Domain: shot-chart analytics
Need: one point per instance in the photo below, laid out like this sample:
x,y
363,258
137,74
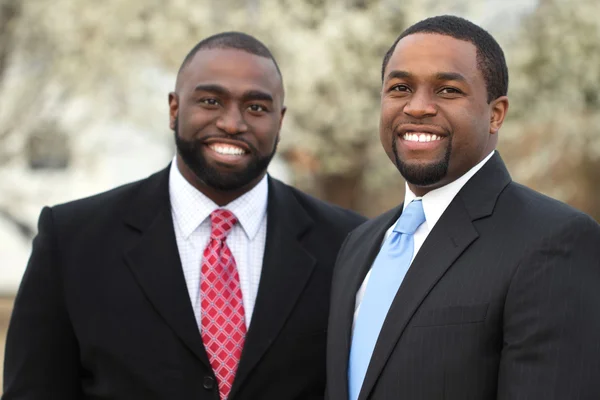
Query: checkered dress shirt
x,y
191,210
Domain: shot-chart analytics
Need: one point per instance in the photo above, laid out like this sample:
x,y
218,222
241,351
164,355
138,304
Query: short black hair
x,y
231,40
490,57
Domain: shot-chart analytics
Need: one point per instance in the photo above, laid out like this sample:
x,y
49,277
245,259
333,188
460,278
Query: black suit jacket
x,y
501,302
103,310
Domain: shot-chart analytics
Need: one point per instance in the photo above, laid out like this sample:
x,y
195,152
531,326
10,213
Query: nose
x,y
231,121
420,105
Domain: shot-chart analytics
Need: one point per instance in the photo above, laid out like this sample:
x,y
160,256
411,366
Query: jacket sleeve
x,y
41,359
551,346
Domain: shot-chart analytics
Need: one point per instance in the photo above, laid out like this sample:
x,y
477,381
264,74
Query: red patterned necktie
x,y
223,325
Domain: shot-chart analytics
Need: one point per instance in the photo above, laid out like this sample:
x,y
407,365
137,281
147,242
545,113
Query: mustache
x,y
202,140
398,127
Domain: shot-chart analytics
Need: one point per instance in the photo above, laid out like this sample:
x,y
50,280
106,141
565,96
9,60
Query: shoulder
x,y
535,209
556,223
529,225
107,205
321,211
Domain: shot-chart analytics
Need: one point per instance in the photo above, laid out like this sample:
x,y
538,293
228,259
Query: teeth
x,y
423,137
228,150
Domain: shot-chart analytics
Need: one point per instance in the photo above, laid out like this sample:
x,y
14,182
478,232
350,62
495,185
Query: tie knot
x,y
222,221
412,217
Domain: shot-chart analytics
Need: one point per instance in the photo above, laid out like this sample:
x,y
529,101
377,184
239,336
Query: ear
x,y
499,108
283,110
173,109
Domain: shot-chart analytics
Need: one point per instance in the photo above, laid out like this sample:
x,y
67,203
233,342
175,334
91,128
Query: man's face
x,y
226,113
435,122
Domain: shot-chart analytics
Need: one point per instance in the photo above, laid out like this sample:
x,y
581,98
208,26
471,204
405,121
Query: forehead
x,y
232,69
426,54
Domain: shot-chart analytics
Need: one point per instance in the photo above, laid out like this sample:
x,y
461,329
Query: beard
x,y
423,174
191,152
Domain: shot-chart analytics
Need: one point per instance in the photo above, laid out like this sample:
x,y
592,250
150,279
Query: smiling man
x,y
226,157
207,280
476,287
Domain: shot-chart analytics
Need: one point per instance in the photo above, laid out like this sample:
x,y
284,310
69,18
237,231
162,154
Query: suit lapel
x,y
443,245
349,276
155,263
287,267
450,237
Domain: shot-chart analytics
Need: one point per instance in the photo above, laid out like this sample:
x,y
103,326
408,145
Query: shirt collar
x,y
191,207
436,201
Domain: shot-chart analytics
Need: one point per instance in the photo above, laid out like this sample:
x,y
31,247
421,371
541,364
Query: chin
x,y
423,173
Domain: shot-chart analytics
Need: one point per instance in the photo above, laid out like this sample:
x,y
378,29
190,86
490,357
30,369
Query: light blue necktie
x,y
388,271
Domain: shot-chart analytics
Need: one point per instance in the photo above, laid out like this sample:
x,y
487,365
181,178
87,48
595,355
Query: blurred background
x,y
84,84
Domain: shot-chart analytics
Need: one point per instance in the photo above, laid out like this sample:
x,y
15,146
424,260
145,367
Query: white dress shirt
x,y
434,205
191,210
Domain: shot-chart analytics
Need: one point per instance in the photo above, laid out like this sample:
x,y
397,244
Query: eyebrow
x,y
211,88
440,76
257,95
248,95
450,76
399,75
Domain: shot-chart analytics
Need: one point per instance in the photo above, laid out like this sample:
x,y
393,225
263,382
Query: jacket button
x,y
208,383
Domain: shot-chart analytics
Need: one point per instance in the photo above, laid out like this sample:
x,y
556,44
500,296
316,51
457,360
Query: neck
x,y
421,191
219,197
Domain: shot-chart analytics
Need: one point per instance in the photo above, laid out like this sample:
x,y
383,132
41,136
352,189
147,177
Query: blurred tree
x,y
552,139
332,63
76,64
107,55
10,11
10,15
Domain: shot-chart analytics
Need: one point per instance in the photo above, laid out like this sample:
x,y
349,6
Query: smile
x,y
420,137
226,149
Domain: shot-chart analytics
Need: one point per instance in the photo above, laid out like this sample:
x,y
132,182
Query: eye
x,y
257,108
450,90
399,88
209,101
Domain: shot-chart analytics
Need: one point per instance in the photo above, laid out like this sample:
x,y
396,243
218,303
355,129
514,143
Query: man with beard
x,y
207,280
476,287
